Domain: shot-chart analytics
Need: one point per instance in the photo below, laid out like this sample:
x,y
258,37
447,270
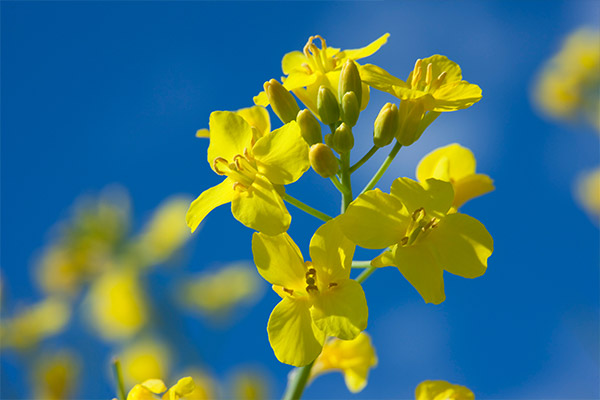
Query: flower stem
x,y
119,378
306,208
363,160
338,185
297,381
386,163
345,172
361,264
365,274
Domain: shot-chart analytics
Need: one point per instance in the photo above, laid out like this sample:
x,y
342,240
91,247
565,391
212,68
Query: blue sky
x,y
95,93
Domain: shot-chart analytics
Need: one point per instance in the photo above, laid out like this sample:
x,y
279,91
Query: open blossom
x,y
318,298
423,237
256,166
315,67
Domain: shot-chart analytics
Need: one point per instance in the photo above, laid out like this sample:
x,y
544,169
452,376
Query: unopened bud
x,y
327,106
283,103
408,133
323,161
386,125
343,139
350,81
309,127
328,139
350,109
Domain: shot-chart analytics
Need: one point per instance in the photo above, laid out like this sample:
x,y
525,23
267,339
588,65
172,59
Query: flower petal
x,y
208,201
356,54
422,269
331,252
155,385
470,187
261,99
299,79
456,96
379,78
257,117
229,135
433,195
462,245
341,310
279,260
182,388
282,155
261,207
460,162
293,335
438,390
374,220
292,61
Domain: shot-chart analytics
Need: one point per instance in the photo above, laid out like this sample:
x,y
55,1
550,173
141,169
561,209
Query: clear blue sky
x,y
94,93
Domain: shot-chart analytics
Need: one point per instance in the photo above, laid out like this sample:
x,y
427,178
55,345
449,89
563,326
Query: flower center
x,y
422,77
242,170
318,57
418,227
311,278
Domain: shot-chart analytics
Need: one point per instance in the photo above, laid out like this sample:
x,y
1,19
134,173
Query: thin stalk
x,y
119,378
364,159
306,208
365,274
361,264
345,173
386,163
297,382
338,185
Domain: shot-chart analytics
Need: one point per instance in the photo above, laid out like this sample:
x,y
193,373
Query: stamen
x,y
439,81
242,164
241,187
418,214
216,162
404,241
288,291
332,284
417,72
310,288
429,75
307,46
307,68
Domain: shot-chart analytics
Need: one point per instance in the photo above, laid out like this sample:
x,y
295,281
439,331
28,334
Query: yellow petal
x,y
229,135
208,201
182,388
282,155
460,162
470,187
292,61
356,54
331,252
139,392
257,117
442,390
261,99
341,310
456,96
433,195
374,220
294,337
202,133
261,207
385,259
462,245
279,260
155,385
420,267
299,79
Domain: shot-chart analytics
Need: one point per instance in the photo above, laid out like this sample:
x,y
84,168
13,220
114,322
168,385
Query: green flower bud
x,y
310,128
329,140
343,139
327,106
350,109
283,103
323,161
386,125
409,130
350,81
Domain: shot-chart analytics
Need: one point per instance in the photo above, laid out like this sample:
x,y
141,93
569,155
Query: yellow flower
x,y
150,387
256,166
425,240
55,375
143,359
354,358
205,386
257,117
250,385
568,86
455,164
315,67
318,297
588,192
442,390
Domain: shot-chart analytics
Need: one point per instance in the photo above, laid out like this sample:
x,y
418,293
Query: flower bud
x,y
350,109
327,106
408,132
343,139
329,140
323,161
309,127
283,103
350,81
386,125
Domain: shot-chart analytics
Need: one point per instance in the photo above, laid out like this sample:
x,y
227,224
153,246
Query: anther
x,y
216,161
307,68
404,241
418,214
310,281
332,284
429,74
312,271
310,288
288,291
439,81
237,185
417,71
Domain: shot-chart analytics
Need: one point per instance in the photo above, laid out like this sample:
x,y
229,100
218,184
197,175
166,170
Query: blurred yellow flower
x,y
55,375
117,305
150,387
442,390
143,359
250,385
568,86
455,164
216,294
34,323
206,387
588,192
354,358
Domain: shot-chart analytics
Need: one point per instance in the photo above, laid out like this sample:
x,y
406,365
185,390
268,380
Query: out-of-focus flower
x,y
144,359
55,375
34,323
442,390
150,387
307,71
250,385
354,358
588,192
166,232
206,388
568,86
117,304
217,294
455,164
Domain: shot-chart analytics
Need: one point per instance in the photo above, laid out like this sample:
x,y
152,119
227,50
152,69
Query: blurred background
x,y
100,102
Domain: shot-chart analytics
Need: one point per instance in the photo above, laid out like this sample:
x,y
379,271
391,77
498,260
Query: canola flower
x,y
55,375
143,359
151,387
442,390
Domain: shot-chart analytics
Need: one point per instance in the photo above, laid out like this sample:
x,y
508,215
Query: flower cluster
x,y
321,317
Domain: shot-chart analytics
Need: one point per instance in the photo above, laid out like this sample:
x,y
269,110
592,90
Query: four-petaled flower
x,y
318,298
424,239
257,164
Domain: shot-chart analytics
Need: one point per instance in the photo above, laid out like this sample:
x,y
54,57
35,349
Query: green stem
x,y
306,208
365,274
386,163
364,159
119,378
346,196
297,382
336,182
361,264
